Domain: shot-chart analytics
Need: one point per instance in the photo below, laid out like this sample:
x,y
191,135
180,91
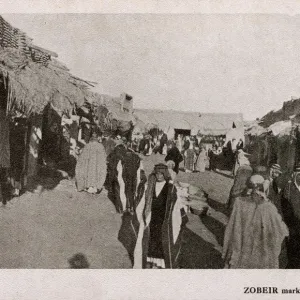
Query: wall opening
x,y
183,132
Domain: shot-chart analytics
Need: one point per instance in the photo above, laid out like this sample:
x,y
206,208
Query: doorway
x,y
183,132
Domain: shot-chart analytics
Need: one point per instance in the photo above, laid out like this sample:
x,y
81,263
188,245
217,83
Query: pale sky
x,y
207,63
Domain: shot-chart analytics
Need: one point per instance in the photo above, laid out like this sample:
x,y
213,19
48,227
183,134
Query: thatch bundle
x,y
31,86
111,118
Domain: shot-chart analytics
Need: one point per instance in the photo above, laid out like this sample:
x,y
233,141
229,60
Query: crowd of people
x,y
264,215
263,229
263,208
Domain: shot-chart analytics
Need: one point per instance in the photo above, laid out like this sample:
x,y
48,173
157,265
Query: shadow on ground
x,y
215,227
223,174
218,206
78,261
128,233
47,179
198,254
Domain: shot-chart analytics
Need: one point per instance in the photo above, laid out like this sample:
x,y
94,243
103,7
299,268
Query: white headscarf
x,y
295,181
243,160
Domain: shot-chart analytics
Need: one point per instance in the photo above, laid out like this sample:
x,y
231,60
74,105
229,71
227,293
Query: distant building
x,y
189,123
126,102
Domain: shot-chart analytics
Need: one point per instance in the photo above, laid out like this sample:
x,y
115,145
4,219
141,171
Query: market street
x,y
46,228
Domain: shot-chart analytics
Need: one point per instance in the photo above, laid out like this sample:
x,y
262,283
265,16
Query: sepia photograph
x,y
138,141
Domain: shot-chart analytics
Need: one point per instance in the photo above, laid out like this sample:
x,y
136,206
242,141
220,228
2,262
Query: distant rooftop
x,y
207,123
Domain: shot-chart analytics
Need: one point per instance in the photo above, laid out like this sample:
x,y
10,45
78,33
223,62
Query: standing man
x,y
91,166
243,174
240,154
186,144
255,231
114,167
161,219
211,157
109,145
132,175
240,145
174,155
234,145
272,189
189,158
163,142
4,155
142,144
291,213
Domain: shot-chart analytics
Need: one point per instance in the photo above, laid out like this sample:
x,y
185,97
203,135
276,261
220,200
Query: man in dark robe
x,y
17,153
243,174
186,144
148,145
4,155
142,145
132,174
112,180
174,155
109,145
161,222
272,188
212,160
291,213
230,155
240,145
163,141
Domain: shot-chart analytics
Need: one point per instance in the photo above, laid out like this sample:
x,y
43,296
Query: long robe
x,y
212,160
17,153
114,177
186,145
4,141
190,158
91,166
254,235
163,141
274,194
179,144
155,249
132,174
291,213
171,230
148,147
142,145
201,161
174,155
109,146
243,174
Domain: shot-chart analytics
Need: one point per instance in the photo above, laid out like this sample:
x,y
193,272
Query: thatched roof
x,y
114,106
271,118
207,124
33,78
255,130
289,109
281,128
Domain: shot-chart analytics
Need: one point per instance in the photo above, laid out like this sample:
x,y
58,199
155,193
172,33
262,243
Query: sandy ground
x,y
45,229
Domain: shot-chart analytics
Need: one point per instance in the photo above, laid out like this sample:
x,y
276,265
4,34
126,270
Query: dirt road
x,y
47,228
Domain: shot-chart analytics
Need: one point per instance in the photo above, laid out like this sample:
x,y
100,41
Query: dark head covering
x,y
297,168
162,168
277,168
